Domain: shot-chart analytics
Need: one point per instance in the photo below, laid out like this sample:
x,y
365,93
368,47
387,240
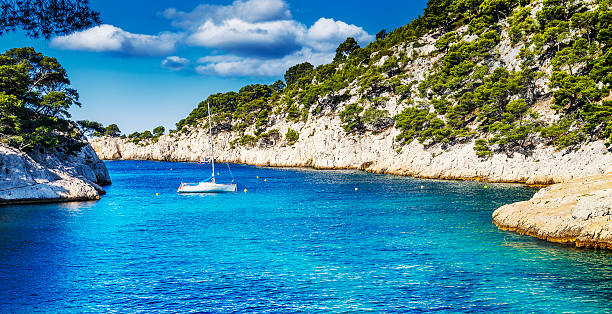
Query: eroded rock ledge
x,y
42,176
578,212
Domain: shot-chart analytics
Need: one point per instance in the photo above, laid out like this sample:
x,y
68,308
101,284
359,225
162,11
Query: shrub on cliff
x,y
351,119
292,136
376,119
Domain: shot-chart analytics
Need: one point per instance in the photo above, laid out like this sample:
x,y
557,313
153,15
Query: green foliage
x,y
412,122
158,131
521,25
351,121
598,118
278,86
515,135
345,49
91,127
47,17
292,136
404,91
482,149
479,25
458,64
296,72
560,133
446,40
376,119
112,130
12,111
247,139
571,56
35,96
325,72
573,91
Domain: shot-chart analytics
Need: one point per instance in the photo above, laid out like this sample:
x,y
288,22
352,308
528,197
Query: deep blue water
x,y
303,240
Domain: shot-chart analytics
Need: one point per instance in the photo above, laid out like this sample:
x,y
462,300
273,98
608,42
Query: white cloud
x,y
260,28
228,65
248,38
327,34
316,45
249,11
236,36
108,38
175,63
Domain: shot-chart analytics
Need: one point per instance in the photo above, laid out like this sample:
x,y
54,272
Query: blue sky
x,y
151,62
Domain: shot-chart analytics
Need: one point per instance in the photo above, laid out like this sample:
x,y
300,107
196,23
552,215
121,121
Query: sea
x,y
290,240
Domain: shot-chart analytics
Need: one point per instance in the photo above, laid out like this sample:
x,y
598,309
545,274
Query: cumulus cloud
x,y
248,38
175,63
326,34
276,38
316,45
228,65
250,11
261,28
108,38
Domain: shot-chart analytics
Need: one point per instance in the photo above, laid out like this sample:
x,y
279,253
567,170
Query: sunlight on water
x,y
298,240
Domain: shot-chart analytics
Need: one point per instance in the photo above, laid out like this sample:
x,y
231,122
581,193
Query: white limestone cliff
x,y
44,176
324,145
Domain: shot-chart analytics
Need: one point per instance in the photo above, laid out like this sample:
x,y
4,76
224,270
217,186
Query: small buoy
x,y
486,187
265,180
156,194
422,187
356,189
245,190
217,173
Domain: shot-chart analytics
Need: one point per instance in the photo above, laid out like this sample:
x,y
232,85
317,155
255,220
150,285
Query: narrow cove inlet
x,y
297,240
281,156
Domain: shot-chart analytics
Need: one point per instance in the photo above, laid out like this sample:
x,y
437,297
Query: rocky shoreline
x,y
323,145
577,213
42,176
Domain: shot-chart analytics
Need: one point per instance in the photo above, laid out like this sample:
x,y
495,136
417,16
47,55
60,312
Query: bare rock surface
x,y
324,145
43,176
577,212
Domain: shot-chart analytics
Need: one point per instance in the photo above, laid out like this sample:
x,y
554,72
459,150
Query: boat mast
x,y
212,149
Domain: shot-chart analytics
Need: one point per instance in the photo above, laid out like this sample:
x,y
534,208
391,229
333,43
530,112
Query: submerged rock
x,y
45,176
578,212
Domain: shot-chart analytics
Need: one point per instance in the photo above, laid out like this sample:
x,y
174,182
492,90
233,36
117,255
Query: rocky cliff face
x,y
578,212
43,176
323,144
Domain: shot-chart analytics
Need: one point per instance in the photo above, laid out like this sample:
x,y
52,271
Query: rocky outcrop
x,y
44,176
324,145
578,212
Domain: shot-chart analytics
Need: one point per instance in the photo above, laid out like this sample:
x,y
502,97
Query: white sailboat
x,y
209,185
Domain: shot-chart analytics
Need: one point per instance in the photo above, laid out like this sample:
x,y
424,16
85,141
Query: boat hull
x,y
207,187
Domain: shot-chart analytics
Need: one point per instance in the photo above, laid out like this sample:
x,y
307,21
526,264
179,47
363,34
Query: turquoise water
x,y
303,240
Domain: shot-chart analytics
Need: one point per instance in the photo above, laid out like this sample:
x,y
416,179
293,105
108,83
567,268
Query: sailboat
x,y
209,185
